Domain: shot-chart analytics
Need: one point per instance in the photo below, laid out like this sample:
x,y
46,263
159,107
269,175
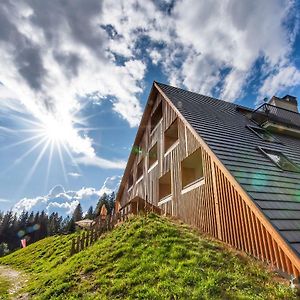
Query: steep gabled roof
x,y
223,127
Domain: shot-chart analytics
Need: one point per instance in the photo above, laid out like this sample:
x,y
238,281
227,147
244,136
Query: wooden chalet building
x,y
229,170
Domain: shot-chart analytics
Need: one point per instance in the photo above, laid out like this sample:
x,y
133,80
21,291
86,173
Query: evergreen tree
x,y
78,214
111,203
102,201
54,224
5,228
3,249
108,201
90,214
71,226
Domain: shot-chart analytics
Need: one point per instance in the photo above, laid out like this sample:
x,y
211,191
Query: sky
x,y
75,77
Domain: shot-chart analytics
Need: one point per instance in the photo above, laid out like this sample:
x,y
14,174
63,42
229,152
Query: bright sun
x,y
55,130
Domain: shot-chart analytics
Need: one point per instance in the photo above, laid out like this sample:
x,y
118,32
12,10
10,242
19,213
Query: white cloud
x,y
64,202
101,162
53,54
60,53
207,44
111,184
230,35
281,79
155,56
4,200
74,174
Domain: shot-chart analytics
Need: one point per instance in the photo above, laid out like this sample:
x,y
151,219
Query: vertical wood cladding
x,y
242,229
215,207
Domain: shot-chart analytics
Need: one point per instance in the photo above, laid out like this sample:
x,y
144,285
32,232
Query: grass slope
x,y
4,286
145,258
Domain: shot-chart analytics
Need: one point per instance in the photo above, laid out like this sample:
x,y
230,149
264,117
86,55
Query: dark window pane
x,y
263,134
281,160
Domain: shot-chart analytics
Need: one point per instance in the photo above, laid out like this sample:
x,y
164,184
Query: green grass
x,y
145,258
4,286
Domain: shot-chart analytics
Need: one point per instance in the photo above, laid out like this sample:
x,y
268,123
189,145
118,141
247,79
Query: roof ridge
x,y
198,94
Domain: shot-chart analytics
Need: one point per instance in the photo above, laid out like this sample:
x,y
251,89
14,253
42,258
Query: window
x,y
140,169
152,155
157,115
280,160
171,135
130,181
165,186
191,168
263,134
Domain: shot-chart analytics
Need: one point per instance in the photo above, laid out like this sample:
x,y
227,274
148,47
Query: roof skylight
x,y
280,160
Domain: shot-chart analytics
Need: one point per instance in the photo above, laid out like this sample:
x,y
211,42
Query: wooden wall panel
x,y
242,229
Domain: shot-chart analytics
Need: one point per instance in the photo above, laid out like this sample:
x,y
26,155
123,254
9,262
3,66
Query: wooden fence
x,y
88,237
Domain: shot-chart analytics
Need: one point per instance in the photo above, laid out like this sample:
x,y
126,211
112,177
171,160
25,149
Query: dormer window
x,y
156,116
263,134
280,160
152,156
171,135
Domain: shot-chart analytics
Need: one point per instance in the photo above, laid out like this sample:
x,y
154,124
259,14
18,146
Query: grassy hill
x,y
145,258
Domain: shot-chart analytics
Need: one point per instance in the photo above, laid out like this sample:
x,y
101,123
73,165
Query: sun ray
x,y
33,168
26,120
35,137
62,163
49,165
72,158
20,159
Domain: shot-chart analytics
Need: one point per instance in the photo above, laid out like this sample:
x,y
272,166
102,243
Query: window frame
x,y
167,150
153,127
265,150
130,186
156,161
198,181
140,176
167,197
253,128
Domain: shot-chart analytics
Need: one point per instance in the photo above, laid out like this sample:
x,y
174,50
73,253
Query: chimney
x,y
287,102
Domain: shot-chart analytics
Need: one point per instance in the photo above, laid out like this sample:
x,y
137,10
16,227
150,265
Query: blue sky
x,y
75,78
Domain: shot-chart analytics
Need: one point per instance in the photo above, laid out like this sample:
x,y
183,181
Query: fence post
x,y
78,244
92,236
72,247
87,238
82,241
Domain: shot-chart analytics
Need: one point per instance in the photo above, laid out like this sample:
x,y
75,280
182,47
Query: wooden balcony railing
x,y
270,113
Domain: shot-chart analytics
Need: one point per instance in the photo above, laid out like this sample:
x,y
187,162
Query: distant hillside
x,y
145,258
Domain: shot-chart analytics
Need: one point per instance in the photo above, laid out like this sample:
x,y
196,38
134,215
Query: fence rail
x,y
89,236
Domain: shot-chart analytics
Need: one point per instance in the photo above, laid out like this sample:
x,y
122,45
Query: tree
x,y
90,214
71,226
78,214
4,249
111,203
108,201
103,200
54,224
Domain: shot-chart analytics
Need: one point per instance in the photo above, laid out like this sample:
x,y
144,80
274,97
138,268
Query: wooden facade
x,y
215,202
